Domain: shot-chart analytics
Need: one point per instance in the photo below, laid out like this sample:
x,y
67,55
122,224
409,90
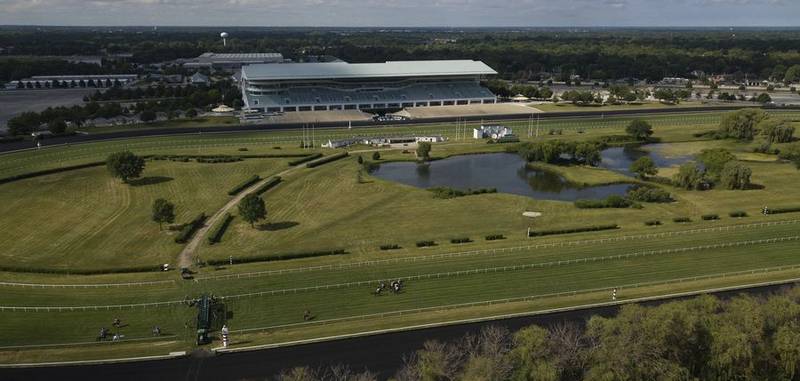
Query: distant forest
x,y
594,54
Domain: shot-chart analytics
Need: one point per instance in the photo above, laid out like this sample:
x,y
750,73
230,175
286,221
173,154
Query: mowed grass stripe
x,y
328,304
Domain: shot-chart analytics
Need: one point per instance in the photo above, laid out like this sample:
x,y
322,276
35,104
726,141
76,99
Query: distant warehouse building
x,y
364,86
231,61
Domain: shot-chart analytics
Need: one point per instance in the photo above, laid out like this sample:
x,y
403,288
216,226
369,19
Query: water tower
x,y
224,36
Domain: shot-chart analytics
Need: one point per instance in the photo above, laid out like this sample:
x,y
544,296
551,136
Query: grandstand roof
x,y
342,70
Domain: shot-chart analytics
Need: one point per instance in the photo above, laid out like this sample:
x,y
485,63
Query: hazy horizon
x,y
402,14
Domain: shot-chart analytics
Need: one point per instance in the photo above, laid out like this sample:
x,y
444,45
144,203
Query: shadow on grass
x,y
754,187
150,180
273,226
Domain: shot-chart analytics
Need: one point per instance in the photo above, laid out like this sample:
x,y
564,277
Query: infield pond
x,y
509,173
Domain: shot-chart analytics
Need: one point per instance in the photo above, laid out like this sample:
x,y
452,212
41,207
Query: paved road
x,y
6,147
379,353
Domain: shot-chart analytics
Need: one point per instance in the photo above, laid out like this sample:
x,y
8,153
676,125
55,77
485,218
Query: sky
x,y
411,13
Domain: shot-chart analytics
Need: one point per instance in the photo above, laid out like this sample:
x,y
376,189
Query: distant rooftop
x,y
342,70
241,56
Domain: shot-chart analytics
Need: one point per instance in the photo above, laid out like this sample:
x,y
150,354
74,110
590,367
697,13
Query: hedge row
x,y
738,214
572,230
278,257
446,192
652,223
613,201
188,230
219,159
327,159
305,159
50,171
243,185
242,156
461,240
220,229
783,210
495,237
710,217
425,243
390,247
681,219
44,270
272,182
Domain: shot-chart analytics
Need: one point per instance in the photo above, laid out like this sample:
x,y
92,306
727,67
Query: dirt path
x,y
186,257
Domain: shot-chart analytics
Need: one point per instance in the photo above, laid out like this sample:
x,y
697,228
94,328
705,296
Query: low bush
x,y
276,257
243,149
50,171
218,159
445,192
540,233
219,230
652,223
612,201
783,210
461,240
243,185
271,183
390,247
73,271
326,160
305,159
648,194
495,237
738,214
188,230
681,219
425,243
710,217
661,180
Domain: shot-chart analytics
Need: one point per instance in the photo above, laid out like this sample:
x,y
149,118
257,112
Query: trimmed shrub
x,y
305,159
710,217
495,237
612,201
243,185
652,223
218,159
445,192
50,171
461,240
425,243
188,230
45,270
738,214
219,230
681,219
390,247
326,160
271,183
276,257
540,233
783,210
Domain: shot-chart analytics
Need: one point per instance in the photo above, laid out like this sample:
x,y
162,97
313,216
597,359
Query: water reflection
x,y
504,171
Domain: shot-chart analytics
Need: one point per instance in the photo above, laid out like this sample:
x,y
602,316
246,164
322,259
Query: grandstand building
x,y
365,86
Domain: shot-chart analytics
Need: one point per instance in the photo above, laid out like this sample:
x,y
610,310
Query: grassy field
x,y
102,223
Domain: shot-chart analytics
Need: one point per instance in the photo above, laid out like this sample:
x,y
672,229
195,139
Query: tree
x,y
424,151
360,160
639,129
763,98
643,167
147,116
252,209
741,124
776,131
714,160
57,126
125,165
191,113
163,212
792,74
376,155
587,153
735,176
689,176
24,123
